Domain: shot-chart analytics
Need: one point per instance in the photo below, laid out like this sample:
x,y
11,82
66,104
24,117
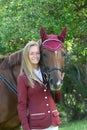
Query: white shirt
x,y
38,74
49,128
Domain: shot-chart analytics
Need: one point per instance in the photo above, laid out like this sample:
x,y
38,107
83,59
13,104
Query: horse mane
x,y
13,59
1,58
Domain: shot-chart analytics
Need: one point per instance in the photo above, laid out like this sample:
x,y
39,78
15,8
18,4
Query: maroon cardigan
x,y
36,107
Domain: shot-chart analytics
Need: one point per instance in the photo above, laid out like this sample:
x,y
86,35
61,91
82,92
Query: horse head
x,y
53,53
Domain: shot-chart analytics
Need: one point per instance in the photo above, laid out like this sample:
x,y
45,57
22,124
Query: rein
x,y
8,83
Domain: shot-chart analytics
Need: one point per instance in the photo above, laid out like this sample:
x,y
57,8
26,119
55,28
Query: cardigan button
x,y
44,90
48,111
47,104
45,97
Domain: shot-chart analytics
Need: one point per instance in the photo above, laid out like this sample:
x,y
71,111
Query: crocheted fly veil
x,y
52,42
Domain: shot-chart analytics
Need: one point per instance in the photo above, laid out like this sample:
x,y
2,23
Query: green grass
x,y
76,125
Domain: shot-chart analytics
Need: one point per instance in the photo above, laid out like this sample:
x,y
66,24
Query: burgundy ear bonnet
x,y
52,42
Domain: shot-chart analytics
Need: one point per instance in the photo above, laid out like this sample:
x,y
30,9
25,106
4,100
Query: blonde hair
x,y
26,67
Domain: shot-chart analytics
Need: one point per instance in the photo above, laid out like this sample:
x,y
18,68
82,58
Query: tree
x,y
20,21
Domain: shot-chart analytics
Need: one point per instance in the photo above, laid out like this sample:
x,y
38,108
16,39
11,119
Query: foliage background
x,y
20,21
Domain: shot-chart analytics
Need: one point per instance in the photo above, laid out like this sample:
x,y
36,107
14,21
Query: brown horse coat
x,y
8,100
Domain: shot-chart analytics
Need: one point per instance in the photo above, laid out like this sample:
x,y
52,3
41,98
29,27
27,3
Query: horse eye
x,y
63,54
44,54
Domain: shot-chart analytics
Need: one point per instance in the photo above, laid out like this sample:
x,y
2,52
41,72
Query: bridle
x,y
57,46
46,72
62,70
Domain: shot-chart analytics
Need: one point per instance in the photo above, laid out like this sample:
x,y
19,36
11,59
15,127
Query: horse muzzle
x,y
55,84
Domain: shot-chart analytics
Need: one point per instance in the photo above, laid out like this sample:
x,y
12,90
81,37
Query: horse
x,y
53,53
8,100
52,64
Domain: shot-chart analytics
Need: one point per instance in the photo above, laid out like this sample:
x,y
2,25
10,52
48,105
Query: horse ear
x,y
43,34
62,35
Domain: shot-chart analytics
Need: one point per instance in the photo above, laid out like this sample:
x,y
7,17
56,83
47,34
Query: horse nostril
x,y
53,81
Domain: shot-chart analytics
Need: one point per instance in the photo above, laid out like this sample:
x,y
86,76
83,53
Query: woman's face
x,y
34,55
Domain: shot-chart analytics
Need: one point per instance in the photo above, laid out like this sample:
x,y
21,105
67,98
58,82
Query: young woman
x,y
36,107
